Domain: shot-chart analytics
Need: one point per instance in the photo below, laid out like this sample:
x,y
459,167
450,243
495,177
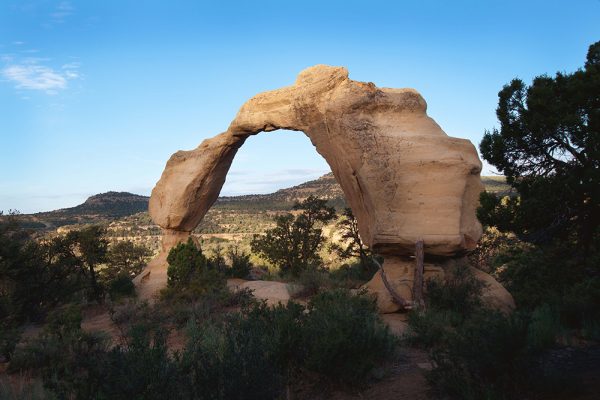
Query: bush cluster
x,y
254,354
480,353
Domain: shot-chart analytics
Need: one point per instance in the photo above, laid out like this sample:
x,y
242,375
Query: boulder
x,y
399,272
400,276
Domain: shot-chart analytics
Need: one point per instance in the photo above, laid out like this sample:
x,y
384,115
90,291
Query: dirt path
x,y
406,380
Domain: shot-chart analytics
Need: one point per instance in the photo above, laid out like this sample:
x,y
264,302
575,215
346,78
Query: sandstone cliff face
x,y
404,178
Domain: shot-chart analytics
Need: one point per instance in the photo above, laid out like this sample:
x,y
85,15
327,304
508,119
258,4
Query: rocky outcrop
x,y
399,272
403,177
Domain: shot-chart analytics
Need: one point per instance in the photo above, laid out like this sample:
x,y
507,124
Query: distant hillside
x,y
109,204
324,187
496,184
97,208
229,214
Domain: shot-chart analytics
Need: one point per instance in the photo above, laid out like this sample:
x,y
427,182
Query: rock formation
x,y
403,177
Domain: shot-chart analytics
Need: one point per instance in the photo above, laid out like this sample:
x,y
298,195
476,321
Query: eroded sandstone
x,y
403,176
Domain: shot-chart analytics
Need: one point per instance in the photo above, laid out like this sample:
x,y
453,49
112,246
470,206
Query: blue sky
x,y
96,95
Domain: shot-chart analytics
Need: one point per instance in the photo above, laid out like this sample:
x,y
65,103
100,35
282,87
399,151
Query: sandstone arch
x,y
403,177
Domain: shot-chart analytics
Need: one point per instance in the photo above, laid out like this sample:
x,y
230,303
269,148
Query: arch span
x,y
404,178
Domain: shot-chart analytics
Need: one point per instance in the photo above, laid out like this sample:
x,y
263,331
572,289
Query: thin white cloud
x,y
35,77
258,182
61,12
35,73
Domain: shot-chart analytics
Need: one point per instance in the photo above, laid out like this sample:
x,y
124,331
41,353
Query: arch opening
x,y
272,161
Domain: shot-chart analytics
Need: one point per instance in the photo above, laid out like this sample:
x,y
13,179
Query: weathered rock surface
x,y
400,274
403,177
400,271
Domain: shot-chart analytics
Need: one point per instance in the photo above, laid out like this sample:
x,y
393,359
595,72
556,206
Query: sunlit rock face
x,y
403,177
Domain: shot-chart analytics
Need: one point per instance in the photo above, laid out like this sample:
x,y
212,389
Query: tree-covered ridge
x,y
230,214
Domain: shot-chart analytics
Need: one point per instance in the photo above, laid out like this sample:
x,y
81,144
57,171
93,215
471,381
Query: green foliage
x,y
344,337
192,279
499,212
125,258
217,260
480,353
26,389
10,335
548,146
75,364
353,275
312,280
544,327
539,275
91,248
351,243
253,354
448,303
37,277
492,244
581,307
484,357
186,262
66,358
248,355
460,291
294,243
140,369
121,286
240,263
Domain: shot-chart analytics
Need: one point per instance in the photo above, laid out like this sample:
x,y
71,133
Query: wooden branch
x,y
418,280
396,298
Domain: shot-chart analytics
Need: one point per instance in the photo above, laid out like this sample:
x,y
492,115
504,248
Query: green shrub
x,y
185,260
544,327
248,355
353,275
312,280
480,353
554,275
580,307
449,302
23,389
458,292
67,358
125,258
140,369
485,357
10,335
240,263
190,276
344,337
121,286
253,354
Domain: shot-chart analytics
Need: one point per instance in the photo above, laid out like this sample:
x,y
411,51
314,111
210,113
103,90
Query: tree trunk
x,y
418,282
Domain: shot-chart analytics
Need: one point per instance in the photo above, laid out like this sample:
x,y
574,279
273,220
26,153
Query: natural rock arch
x,y
403,177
